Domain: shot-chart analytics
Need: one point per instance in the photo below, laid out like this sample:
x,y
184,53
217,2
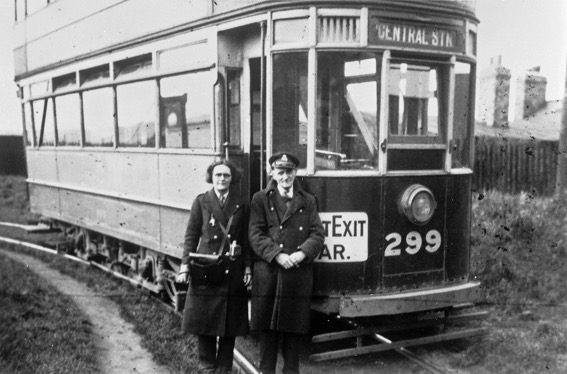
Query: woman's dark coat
x,y
281,299
220,309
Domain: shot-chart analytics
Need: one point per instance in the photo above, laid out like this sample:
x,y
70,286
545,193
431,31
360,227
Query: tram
x,y
124,103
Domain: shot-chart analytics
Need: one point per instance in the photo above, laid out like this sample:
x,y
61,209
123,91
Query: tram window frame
x,y
91,117
194,86
441,95
46,117
293,109
31,138
463,115
233,108
348,139
142,108
65,118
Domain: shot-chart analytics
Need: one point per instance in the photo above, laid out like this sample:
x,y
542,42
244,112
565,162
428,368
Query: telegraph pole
x,y
561,186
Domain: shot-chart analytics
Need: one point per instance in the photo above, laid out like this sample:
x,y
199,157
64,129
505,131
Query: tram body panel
x,y
401,257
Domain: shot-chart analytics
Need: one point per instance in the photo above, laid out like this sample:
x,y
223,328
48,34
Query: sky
x,y
525,33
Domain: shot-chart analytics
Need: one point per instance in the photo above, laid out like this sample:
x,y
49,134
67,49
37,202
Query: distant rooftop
x,y
545,124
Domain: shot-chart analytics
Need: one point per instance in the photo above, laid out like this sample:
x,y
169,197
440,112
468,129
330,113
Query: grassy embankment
x,y
519,246
160,330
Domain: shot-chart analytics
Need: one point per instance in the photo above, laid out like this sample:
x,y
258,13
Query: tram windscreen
x,y
347,110
415,96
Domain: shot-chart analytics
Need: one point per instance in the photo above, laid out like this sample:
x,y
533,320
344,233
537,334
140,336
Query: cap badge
x,y
284,158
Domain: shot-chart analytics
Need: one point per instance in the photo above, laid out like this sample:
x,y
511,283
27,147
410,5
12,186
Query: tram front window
x,y
290,105
347,105
415,94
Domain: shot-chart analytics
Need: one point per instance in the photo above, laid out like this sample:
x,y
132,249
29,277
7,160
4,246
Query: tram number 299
x,y
413,243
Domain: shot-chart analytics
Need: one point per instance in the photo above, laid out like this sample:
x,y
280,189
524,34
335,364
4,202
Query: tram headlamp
x,y
417,204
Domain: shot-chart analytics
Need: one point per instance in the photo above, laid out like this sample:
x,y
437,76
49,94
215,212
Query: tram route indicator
x,y
421,36
346,237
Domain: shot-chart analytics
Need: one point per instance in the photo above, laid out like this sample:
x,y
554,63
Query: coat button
x,y
281,245
281,227
214,253
300,210
228,235
226,272
300,228
272,209
215,237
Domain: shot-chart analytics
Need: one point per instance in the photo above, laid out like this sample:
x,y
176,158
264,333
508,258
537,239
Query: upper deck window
x,y
347,107
31,138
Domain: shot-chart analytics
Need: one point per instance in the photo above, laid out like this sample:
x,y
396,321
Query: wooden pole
x,y
561,185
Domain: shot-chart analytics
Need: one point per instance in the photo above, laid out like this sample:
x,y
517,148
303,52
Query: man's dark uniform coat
x,y
220,309
281,299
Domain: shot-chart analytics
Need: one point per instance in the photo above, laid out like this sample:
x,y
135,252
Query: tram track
x,y
243,365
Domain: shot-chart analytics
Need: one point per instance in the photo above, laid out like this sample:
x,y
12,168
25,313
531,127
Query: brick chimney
x,y
530,93
494,94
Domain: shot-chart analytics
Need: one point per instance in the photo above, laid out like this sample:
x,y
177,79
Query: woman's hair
x,y
234,170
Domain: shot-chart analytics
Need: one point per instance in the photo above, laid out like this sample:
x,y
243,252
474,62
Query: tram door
x,y
241,66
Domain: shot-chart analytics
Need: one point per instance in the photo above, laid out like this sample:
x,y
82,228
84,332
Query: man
x,y
286,235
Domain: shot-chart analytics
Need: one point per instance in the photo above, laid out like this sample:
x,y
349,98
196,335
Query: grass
x,y
518,253
41,331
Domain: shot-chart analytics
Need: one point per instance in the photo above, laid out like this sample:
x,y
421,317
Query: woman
x,y
218,226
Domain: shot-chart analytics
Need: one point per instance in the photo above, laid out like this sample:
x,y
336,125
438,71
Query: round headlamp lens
x,y
422,207
418,204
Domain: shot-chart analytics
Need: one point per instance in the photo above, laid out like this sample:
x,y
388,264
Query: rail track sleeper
x,y
394,345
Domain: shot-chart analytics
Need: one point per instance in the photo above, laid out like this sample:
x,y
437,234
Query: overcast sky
x,y
526,33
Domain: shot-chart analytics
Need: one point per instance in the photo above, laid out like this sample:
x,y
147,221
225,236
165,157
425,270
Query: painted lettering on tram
x,y
346,237
419,36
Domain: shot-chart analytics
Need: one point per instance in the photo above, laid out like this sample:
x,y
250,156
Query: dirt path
x,y
120,348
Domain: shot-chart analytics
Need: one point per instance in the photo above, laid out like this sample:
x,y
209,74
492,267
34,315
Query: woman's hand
x,y
182,277
247,276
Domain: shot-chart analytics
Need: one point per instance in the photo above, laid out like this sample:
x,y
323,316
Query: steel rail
x,y
240,360
403,351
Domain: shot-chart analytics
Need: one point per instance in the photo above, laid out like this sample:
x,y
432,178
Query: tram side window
x,y
186,102
68,110
136,108
98,109
31,138
290,104
462,116
416,93
43,118
347,105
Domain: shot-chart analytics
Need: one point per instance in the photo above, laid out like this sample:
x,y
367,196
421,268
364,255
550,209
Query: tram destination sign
x,y
412,35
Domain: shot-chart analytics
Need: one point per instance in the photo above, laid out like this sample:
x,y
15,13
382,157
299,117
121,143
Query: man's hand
x,y
284,260
297,257
290,261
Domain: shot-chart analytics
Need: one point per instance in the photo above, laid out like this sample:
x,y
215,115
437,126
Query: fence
x,y
12,157
514,165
